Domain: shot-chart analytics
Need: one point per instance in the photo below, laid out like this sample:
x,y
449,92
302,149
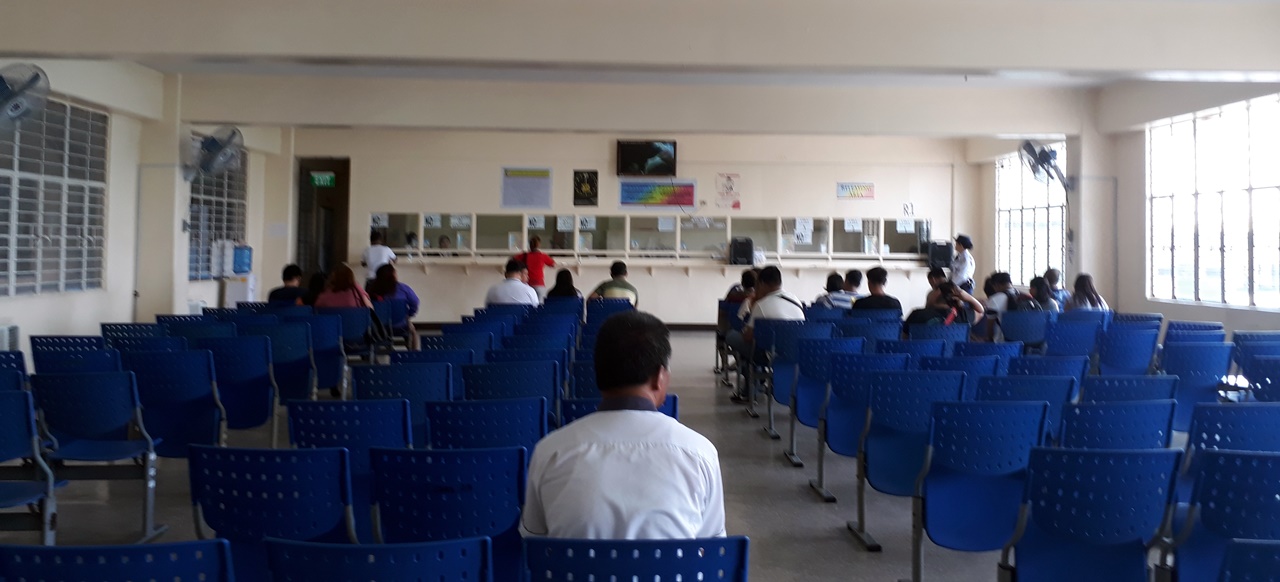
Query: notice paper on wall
x,y
855,191
586,223
564,224
906,226
459,221
804,237
729,191
804,225
526,188
537,222
432,221
379,220
666,224
853,225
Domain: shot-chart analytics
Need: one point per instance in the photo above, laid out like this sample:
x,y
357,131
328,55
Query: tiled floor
x,y
794,535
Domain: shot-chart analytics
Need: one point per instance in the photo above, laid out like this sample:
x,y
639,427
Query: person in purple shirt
x,y
386,286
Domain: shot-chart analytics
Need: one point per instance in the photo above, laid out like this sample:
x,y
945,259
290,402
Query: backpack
x,y
1022,302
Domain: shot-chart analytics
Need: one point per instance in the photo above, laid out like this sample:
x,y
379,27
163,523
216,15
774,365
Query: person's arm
x,y
364,297
713,508
932,298
411,299
978,310
595,293
533,520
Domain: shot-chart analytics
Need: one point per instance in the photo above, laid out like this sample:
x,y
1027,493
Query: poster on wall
x,y
564,224
728,191
526,188
459,221
586,184
658,193
537,222
379,220
855,191
432,221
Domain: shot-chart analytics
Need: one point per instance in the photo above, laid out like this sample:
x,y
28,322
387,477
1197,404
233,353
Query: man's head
x,y
375,238
292,276
852,280
633,351
517,270
618,269
770,280
834,283
748,279
876,280
963,241
936,277
535,242
1053,277
1001,282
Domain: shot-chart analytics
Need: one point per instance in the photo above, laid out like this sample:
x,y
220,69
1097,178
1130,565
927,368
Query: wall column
x,y
163,206
1092,205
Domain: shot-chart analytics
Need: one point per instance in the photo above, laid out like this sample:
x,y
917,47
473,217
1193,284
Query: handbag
x,y
379,332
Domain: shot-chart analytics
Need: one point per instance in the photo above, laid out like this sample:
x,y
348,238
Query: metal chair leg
x,y
859,526
769,428
791,454
917,540
48,521
751,391
150,531
819,485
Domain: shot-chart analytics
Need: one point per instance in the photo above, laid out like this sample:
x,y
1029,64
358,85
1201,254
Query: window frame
x,y
1009,215
217,209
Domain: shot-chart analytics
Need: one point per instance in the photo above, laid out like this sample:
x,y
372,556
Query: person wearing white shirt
x,y
513,290
626,471
376,256
962,266
771,303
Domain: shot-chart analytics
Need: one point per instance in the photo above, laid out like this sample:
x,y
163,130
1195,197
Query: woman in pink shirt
x,y
342,290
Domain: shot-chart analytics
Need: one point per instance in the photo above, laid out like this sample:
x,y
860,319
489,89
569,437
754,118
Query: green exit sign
x,y
323,179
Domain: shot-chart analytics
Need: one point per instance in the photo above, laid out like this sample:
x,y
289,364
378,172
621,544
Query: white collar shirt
x,y
624,474
777,305
511,292
962,267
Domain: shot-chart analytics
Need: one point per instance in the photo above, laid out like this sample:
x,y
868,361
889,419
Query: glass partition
x,y
653,236
856,236
763,232
805,236
500,232
399,231
602,236
446,234
556,232
704,236
906,236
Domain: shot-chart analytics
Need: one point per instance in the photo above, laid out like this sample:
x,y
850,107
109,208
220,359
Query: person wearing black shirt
x,y
291,293
876,280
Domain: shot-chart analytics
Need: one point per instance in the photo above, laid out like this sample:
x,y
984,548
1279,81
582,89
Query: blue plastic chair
x,y
1194,325
476,342
538,342
877,314
456,358
722,559
1234,498
1176,336
471,493
1005,351
1101,319
1250,561
893,447
1028,327
872,331
113,331
1074,366
249,495
288,311
292,365
165,320
12,380
559,356
572,409
1157,318
97,418
598,310
76,361
355,323
193,330
241,319
64,343
1127,388
820,313
498,329
563,305
952,334
583,384
1246,356
1071,338
551,328
246,387
1126,352
14,361
1056,390
179,396
1229,427
518,310
253,306
326,348
915,348
219,313
149,344
418,383
844,416
785,365
968,494
1265,385
34,492
974,368
809,393
1200,368
466,559
208,561
505,380
486,424
543,317
395,313
1117,425
1090,515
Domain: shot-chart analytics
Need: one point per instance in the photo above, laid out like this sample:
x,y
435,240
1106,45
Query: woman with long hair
x,y
1043,294
341,290
564,285
1085,296
386,286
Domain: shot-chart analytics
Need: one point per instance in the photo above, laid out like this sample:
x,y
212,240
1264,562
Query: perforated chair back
x,y
473,493
165,320
559,356
1028,327
179,403
506,380
64,343
1071,338
974,367
560,341
112,331
497,329
872,331
1057,391
467,559
1089,514
1176,336
728,312
355,322
17,426
951,334
193,330
977,470
291,357
572,409
1127,388
149,344
327,348
785,366
1246,357
914,348
820,313
208,561
1266,378
454,357
219,313
564,305
1195,325
513,309
901,407
393,312
1157,318
419,383
288,311
765,332
253,306
1102,319
486,424
1199,368
599,310
356,425
1250,561
76,361
877,314
1228,427
12,380
1118,425
476,342
242,319
246,388
722,559
584,380
92,407
14,361
1074,366
846,410
1125,351
1234,498
551,328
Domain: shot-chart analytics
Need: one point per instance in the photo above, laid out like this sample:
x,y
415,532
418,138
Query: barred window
x,y
53,194
218,210
1031,220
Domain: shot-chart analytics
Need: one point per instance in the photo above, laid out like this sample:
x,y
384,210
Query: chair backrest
x,y
149,344
292,358
1199,367
873,331
821,313
847,369
172,377
877,314
243,319
14,361
207,560
355,322
326,330
765,331
112,331
555,351
723,559
1177,336
1234,427
418,383
518,310
548,328
814,355
246,386
1056,390
572,409
952,334
1246,355
505,380
197,329
974,367
466,559
167,319
287,311
476,342
357,425
1101,318
486,424
1126,351
914,348
599,310
1194,325
1071,338
12,380
219,313
564,305
99,407
253,306
477,492
1118,425
898,434
392,311
1119,317
1074,366
1028,327
495,328
1127,388
87,361
63,343
1249,561
584,380
18,436
1265,379
1233,498
785,338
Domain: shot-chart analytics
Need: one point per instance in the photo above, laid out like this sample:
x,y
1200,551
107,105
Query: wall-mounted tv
x,y
646,158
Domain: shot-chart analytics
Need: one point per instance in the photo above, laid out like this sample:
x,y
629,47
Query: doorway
x,y
323,207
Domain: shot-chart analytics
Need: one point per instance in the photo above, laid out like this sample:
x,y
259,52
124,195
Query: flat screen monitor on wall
x,y
646,158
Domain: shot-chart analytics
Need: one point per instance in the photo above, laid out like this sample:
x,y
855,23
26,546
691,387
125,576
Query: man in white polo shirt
x,y
628,471
514,290
771,302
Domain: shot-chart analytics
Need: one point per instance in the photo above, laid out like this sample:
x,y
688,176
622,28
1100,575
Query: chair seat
x,y
18,493
100,450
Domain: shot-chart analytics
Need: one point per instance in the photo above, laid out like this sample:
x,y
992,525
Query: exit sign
x,y
323,179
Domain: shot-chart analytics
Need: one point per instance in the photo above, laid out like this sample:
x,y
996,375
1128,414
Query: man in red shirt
x,y
536,260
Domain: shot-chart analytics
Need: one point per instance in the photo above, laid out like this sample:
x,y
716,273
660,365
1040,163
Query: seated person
x,y
935,278
947,305
341,290
564,285
626,471
743,289
514,289
386,286
877,278
771,302
1043,294
1086,296
291,293
617,287
853,280
836,297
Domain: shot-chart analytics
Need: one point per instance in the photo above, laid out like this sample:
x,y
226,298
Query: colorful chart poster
x,y
586,184
728,191
537,222
667,192
855,191
526,188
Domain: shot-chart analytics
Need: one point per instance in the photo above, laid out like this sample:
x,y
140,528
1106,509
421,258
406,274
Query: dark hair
x,y
564,285
1053,276
342,279
877,276
631,347
1001,279
617,269
949,294
771,275
515,266
835,283
853,277
748,279
535,241
937,273
375,237
1085,291
964,241
290,273
315,286
1040,291
384,283
989,286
